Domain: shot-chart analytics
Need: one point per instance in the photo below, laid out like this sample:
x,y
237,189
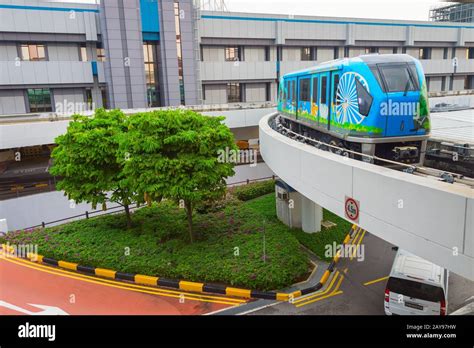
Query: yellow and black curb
x,y
186,285
328,271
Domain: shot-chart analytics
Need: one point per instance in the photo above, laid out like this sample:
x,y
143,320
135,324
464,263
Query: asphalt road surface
x,y
29,288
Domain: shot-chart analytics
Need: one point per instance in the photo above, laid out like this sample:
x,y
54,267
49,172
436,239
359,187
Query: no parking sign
x,y
352,209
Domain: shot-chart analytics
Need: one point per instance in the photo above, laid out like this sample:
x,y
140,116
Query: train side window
x,y
315,90
336,84
376,73
287,90
304,90
365,99
324,90
293,91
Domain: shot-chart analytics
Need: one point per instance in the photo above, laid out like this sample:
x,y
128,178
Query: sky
x,y
383,9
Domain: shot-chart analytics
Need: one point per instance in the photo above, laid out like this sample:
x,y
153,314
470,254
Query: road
x,y
24,283
357,286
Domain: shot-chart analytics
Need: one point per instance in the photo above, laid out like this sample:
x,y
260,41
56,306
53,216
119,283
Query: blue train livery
x,y
374,104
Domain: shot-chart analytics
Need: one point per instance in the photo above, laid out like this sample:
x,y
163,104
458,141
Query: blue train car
x,y
373,104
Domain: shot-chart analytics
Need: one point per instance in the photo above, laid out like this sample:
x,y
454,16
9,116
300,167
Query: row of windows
x,y
447,83
39,52
235,92
40,99
310,53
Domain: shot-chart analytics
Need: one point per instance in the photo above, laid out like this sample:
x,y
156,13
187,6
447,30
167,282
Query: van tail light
x,y
387,295
443,307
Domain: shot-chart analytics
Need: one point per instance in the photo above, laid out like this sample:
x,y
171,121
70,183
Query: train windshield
x,y
396,77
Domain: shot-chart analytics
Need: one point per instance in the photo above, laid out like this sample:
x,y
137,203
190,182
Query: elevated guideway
x,y
423,215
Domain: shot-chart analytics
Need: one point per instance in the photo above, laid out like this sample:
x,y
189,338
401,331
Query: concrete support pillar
x,y
311,215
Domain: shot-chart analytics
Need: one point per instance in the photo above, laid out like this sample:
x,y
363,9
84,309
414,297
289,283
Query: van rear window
x,y
415,289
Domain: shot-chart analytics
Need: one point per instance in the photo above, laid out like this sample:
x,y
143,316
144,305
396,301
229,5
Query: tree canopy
x,y
86,160
174,154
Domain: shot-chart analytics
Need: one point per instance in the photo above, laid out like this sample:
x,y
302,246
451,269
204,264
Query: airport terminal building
x,y
147,53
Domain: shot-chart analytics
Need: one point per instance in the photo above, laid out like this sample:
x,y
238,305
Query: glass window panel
x,y
41,52
33,52
397,78
25,53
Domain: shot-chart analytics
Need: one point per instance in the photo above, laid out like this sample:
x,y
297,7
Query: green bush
x,y
229,247
254,190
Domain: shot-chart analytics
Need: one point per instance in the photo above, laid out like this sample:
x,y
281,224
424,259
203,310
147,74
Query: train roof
x,y
368,59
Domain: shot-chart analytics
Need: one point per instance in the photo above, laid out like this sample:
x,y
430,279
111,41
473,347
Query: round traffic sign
x,y
352,209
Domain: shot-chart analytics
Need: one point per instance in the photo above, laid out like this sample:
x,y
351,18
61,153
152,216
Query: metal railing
x,y
120,208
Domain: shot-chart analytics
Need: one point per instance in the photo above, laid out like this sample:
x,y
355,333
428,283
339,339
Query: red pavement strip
x,y
23,283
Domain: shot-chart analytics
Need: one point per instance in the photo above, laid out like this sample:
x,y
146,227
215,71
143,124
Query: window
x,y
425,53
369,50
268,92
315,90
376,73
305,90
470,53
469,82
397,78
336,52
410,288
306,53
105,101
39,100
33,52
346,52
89,100
404,50
151,71
428,80
286,94
445,53
100,53
293,91
443,83
324,90
395,50
336,84
234,93
364,97
267,53
83,53
232,54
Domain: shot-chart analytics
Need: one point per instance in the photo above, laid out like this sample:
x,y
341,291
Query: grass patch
x,y
158,244
316,242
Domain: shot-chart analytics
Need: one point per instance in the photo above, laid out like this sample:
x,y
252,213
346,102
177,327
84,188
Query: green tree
x,y
175,154
86,161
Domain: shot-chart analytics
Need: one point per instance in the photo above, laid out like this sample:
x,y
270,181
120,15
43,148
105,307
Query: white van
x,y
416,287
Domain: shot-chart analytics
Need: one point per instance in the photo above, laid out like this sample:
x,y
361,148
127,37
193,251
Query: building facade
x,y
66,57
457,12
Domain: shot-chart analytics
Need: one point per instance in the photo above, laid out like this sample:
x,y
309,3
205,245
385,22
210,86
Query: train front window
x,y
397,78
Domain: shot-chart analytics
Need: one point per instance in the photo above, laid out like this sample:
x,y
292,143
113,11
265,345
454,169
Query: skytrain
x,y
372,104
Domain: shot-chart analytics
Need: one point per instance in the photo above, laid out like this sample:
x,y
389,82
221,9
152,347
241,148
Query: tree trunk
x,y
129,217
189,214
